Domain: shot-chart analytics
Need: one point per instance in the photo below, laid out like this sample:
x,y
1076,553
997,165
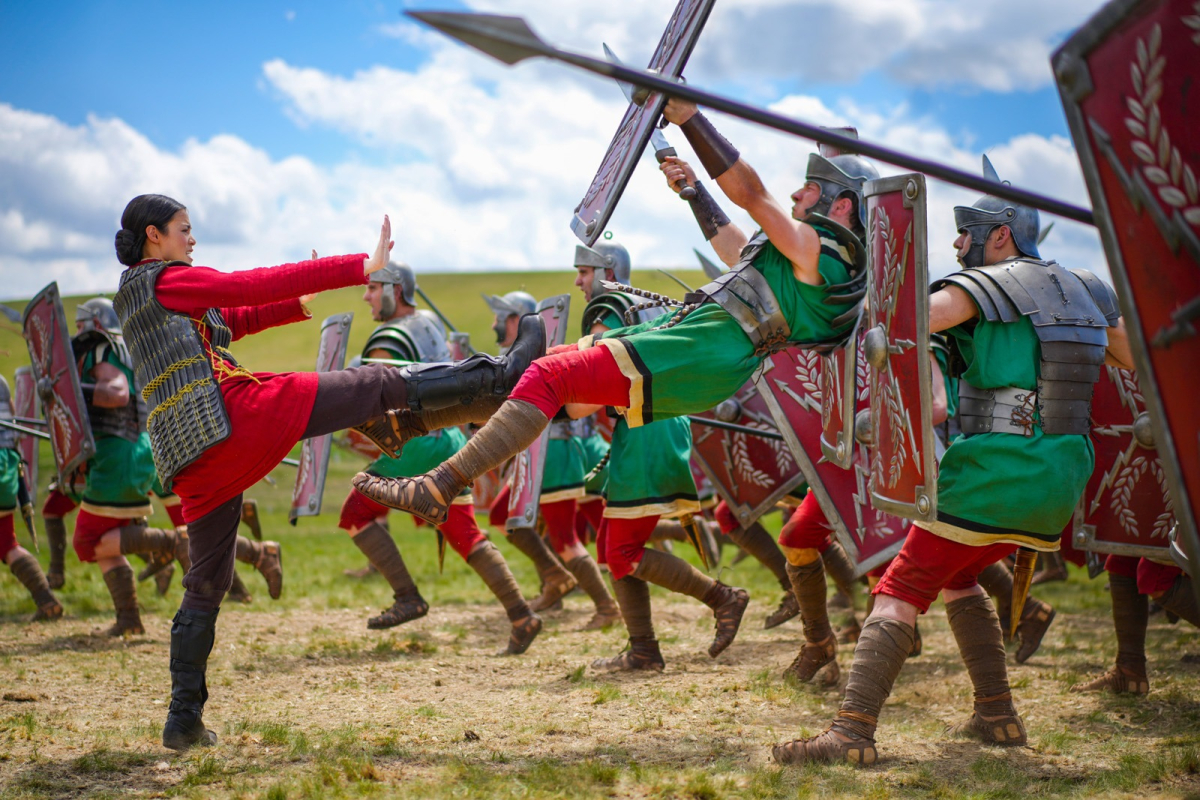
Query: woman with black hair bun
x,y
216,428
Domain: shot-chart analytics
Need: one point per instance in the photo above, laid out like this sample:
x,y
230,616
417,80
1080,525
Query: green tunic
x,y
650,473
120,474
595,448
706,358
10,466
1003,487
562,476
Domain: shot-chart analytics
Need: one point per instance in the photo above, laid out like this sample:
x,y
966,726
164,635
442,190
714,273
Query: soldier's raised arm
x,y
726,238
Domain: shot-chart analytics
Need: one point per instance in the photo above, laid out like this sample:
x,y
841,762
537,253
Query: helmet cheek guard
x,y
838,176
396,273
605,255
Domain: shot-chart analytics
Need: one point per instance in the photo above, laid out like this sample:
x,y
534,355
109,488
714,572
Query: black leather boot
x,y
192,635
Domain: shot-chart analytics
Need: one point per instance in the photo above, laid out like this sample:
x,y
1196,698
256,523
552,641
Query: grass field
x,y
310,704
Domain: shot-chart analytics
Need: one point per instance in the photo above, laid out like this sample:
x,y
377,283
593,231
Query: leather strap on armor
x,y
715,152
1004,410
1070,311
619,303
746,295
186,413
708,214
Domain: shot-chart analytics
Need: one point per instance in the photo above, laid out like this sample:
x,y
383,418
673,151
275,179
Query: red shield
x,y
314,453
903,475
750,473
528,466
1128,83
1126,508
839,388
627,146
56,379
871,537
25,404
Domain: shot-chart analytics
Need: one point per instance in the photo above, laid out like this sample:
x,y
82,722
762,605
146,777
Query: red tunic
x,y
268,412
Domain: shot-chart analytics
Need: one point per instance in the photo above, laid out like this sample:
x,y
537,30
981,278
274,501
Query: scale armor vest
x,y
416,338
129,420
1070,311
620,303
8,437
186,413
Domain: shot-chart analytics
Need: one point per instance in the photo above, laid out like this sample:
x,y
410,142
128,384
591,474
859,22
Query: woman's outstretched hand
x,y
383,251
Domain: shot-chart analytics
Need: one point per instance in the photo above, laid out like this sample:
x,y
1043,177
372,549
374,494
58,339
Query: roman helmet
x,y
989,213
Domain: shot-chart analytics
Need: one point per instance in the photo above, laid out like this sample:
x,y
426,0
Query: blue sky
x,y
278,122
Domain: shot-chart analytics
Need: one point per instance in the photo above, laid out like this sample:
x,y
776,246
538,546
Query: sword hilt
x,y
685,192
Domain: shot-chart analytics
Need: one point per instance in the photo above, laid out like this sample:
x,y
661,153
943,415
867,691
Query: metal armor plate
x,y
633,134
528,466
56,379
839,388
460,345
1126,508
25,404
750,473
903,476
314,453
1127,80
870,536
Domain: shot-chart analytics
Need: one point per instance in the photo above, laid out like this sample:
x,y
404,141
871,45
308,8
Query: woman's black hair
x,y
142,211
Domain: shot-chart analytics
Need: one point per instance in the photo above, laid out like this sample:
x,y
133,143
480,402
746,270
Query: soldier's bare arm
x,y
1118,353
112,389
729,239
941,405
949,307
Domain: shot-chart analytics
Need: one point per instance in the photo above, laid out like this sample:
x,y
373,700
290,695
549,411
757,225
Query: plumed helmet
x,y
989,213
396,273
605,255
838,175
99,310
519,303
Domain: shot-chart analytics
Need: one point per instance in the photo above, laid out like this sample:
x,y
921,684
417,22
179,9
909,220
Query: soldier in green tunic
x,y
1030,338
409,336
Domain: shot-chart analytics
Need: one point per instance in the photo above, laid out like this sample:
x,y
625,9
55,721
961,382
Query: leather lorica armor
x,y
186,413
621,304
414,338
746,295
1070,311
8,437
129,420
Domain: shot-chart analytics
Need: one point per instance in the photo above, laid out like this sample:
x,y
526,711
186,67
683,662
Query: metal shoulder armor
x,y
618,303
414,337
186,413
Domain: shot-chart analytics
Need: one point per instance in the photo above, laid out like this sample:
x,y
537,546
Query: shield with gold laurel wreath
x,y
56,381
314,453
1126,508
903,477
528,467
1128,82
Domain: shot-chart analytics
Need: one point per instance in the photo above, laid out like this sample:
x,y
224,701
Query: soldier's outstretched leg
x,y
251,519
376,543
486,560
238,592
267,559
976,628
1179,599
119,581
56,537
587,572
755,540
820,645
28,571
556,579
633,596
1131,614
727,602
1036,616
560,528
192,635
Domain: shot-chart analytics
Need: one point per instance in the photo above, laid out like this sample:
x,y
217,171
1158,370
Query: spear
x,y
510,40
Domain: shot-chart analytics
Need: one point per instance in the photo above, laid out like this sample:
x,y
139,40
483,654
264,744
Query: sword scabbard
x,y
1022,580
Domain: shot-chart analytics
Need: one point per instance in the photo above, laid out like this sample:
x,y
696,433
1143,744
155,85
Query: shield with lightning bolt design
x,y
1126,508
314,453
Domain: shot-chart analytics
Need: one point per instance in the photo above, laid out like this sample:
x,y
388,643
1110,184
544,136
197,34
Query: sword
x,y
441,552
698,539
26,503
445,320
672,277
22,429
732,426
510,40
1022,579
710,269
662,148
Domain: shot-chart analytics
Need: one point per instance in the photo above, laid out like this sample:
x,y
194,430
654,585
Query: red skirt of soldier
x,y
927,564
460,529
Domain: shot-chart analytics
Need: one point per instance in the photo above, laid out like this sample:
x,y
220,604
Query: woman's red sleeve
x,y
246,320
188,288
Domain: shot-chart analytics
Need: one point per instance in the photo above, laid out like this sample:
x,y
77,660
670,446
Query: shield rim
x,y
914,193
588,231
1074,83
313,507
31,467
561,303
841,452
817,486
87,448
